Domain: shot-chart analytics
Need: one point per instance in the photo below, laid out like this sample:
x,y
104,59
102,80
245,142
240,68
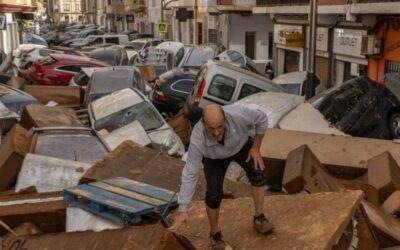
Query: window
x,y
66,7
222,87
155,43
71,68
179,55
248,89
46,52
236,57
98,40
114,40
183,85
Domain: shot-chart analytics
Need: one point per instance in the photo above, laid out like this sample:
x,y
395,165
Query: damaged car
x,y
123,107
69,143
12,101
362,107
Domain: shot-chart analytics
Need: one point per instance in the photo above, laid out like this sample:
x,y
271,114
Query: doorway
x,y
200,33
250,44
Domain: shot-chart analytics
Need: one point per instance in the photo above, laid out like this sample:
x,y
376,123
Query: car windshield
x,y
136,45
47,60
89,39
292,88
337,104
142,112
198,56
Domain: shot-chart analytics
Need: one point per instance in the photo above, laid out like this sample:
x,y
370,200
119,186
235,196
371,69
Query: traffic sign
x,y
162,27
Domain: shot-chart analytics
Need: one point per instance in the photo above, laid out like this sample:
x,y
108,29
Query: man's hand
x,y
181,218
254,153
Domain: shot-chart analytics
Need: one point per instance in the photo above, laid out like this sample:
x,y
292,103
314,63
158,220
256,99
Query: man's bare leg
x,y
213,216
258,197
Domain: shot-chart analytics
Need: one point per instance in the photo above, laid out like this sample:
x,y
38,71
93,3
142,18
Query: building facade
x,y
349,37
14,12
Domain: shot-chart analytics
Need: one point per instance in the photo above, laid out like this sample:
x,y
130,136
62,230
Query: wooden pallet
x,y
120,199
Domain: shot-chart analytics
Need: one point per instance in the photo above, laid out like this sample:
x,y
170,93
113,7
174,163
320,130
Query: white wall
x,y
239,25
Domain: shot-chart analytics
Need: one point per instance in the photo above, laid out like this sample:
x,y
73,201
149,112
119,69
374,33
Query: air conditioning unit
x,y
370,45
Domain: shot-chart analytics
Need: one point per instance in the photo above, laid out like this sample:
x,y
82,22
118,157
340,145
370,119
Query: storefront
x,y
287,58
349,61
386,57
321,54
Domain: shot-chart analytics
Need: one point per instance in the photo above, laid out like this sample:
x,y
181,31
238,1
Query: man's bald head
x,y
213,113
214,120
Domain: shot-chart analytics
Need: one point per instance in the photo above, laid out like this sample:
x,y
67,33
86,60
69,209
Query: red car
x,y
58,69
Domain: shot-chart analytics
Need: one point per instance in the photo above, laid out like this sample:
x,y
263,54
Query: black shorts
x,y
215,169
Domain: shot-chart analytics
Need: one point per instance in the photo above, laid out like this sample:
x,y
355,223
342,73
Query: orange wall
x,y
391,48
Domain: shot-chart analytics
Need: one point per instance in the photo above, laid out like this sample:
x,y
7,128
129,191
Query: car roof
x,y
293,77
170,45
74,58
89,70
107,81
239,69
115,102
144,40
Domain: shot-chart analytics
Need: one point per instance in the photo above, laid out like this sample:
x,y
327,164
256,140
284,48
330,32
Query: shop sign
x,y
294,40
321,39
348,42
281,31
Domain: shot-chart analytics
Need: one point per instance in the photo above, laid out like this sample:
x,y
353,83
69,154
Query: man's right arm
x,y
190,175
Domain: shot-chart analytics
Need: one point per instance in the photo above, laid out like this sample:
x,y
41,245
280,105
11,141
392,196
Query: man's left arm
x,y
259,120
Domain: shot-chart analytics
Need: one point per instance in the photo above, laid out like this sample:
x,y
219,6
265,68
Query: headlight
x,y
172,145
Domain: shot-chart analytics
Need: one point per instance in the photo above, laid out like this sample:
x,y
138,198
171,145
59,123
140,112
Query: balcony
x,y
320,2
236,5
134,5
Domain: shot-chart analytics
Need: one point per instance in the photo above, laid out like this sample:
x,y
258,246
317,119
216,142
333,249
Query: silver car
x,y
123,107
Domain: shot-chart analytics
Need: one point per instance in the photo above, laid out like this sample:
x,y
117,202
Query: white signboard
x,y
280,32
322,38
348,42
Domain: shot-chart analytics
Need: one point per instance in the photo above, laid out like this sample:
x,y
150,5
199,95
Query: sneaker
x,y
217,241
262,225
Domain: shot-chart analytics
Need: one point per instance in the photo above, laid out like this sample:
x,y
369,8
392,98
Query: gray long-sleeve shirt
x,y
239,121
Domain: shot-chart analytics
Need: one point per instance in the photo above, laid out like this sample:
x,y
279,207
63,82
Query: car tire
x,y
394,125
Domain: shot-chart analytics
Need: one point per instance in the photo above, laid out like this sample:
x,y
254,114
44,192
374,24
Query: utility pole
x,y
311,76
195,30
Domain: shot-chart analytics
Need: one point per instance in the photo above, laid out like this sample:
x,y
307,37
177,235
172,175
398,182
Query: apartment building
x,y
352,39
12,13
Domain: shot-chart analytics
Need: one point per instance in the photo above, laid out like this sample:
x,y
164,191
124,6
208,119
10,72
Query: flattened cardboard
x,y
12,152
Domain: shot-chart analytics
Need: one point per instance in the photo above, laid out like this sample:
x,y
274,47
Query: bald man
x,y
221,136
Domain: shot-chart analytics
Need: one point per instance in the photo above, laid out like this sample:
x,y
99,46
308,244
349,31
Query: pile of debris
x,y
61,182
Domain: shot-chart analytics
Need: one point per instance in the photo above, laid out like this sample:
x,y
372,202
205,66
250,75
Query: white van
x,y
176,47
224,83
102,39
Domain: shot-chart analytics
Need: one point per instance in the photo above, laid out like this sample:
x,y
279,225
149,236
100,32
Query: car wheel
x,y
394,125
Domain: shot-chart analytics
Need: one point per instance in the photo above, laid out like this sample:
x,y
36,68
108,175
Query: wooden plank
x,y
127,193
63,95
110,199
142,188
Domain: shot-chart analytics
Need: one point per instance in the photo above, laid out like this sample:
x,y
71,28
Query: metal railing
x,y
307,2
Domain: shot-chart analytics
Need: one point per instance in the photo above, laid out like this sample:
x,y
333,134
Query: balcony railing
x,y
238,2
320,2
